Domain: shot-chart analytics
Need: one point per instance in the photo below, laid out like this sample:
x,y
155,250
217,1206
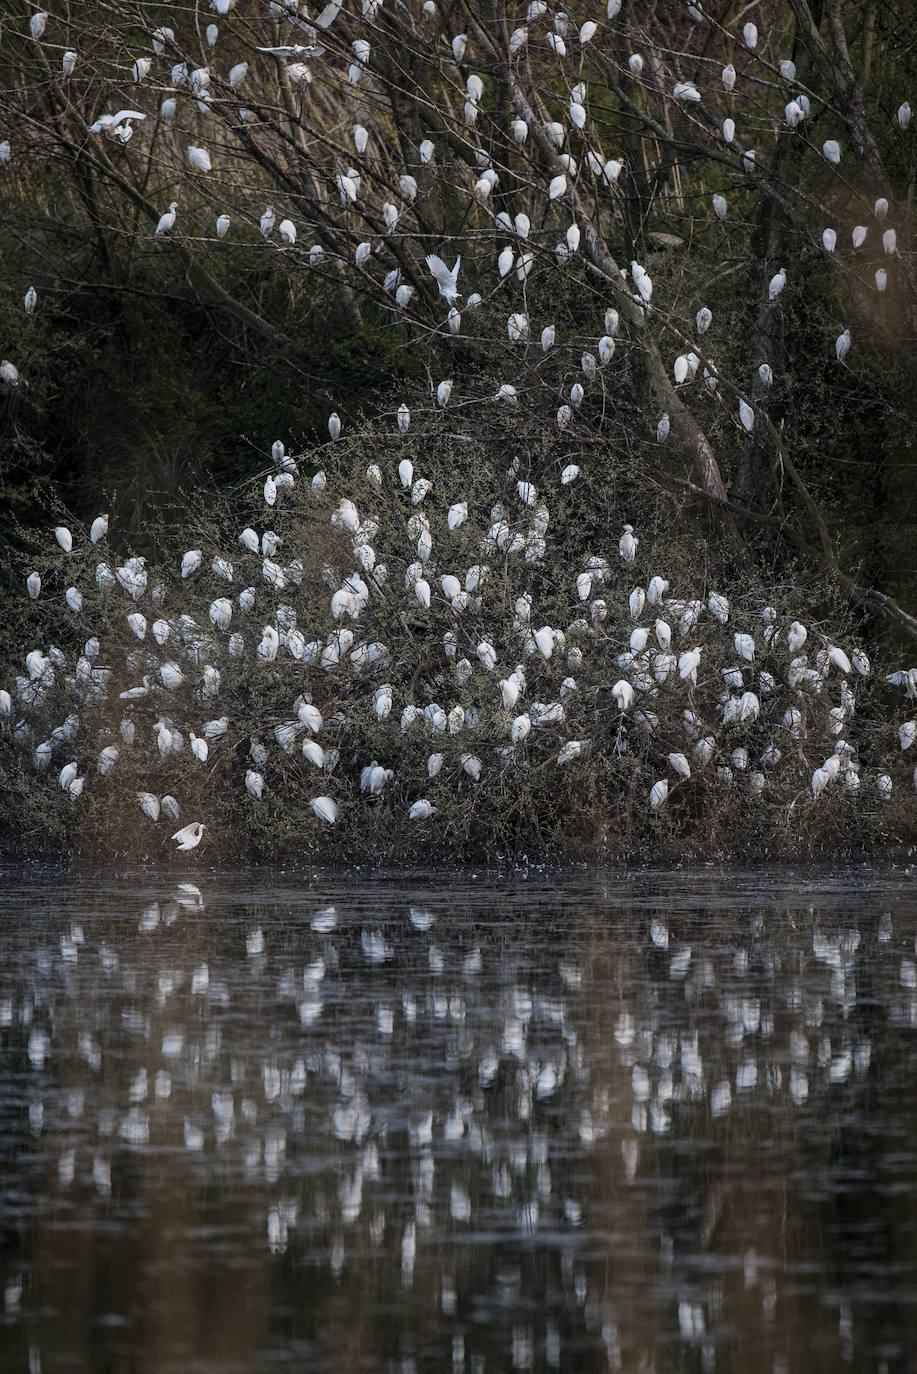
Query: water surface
x,y
656,1123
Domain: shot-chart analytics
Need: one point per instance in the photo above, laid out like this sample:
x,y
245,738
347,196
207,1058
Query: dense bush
x,y
551,682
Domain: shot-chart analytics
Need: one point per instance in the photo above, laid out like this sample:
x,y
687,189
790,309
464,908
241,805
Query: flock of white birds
x,y
434,623
426,623
367,191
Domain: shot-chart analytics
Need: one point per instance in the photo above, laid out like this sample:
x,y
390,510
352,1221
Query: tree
x,y
619,128
673,248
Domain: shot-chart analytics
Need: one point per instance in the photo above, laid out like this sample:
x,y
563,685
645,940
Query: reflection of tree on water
x,y
786,1243
583,1131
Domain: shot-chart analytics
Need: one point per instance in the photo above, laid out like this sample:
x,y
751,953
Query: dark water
x,y
665,1123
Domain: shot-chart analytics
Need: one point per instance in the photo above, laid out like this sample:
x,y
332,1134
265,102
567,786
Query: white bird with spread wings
x,y
446,278
297,50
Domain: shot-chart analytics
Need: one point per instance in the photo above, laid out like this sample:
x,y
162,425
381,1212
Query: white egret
x,y
797,636
627,544
688,664
642,281
718,606
744,646
777,283
842,345
171,675
167,221
517,328
200,159
487,655
839,659
190,836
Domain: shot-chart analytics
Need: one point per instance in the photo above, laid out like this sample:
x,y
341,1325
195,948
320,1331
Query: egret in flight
x,y
446,278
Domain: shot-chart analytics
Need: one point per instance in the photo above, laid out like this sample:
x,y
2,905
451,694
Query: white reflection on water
x,y
629,1124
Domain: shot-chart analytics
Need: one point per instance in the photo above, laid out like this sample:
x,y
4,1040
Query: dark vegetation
x,y
157,371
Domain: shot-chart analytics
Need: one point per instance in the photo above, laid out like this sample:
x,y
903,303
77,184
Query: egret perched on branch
x,y
777,283
167,221
200,159
642,281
